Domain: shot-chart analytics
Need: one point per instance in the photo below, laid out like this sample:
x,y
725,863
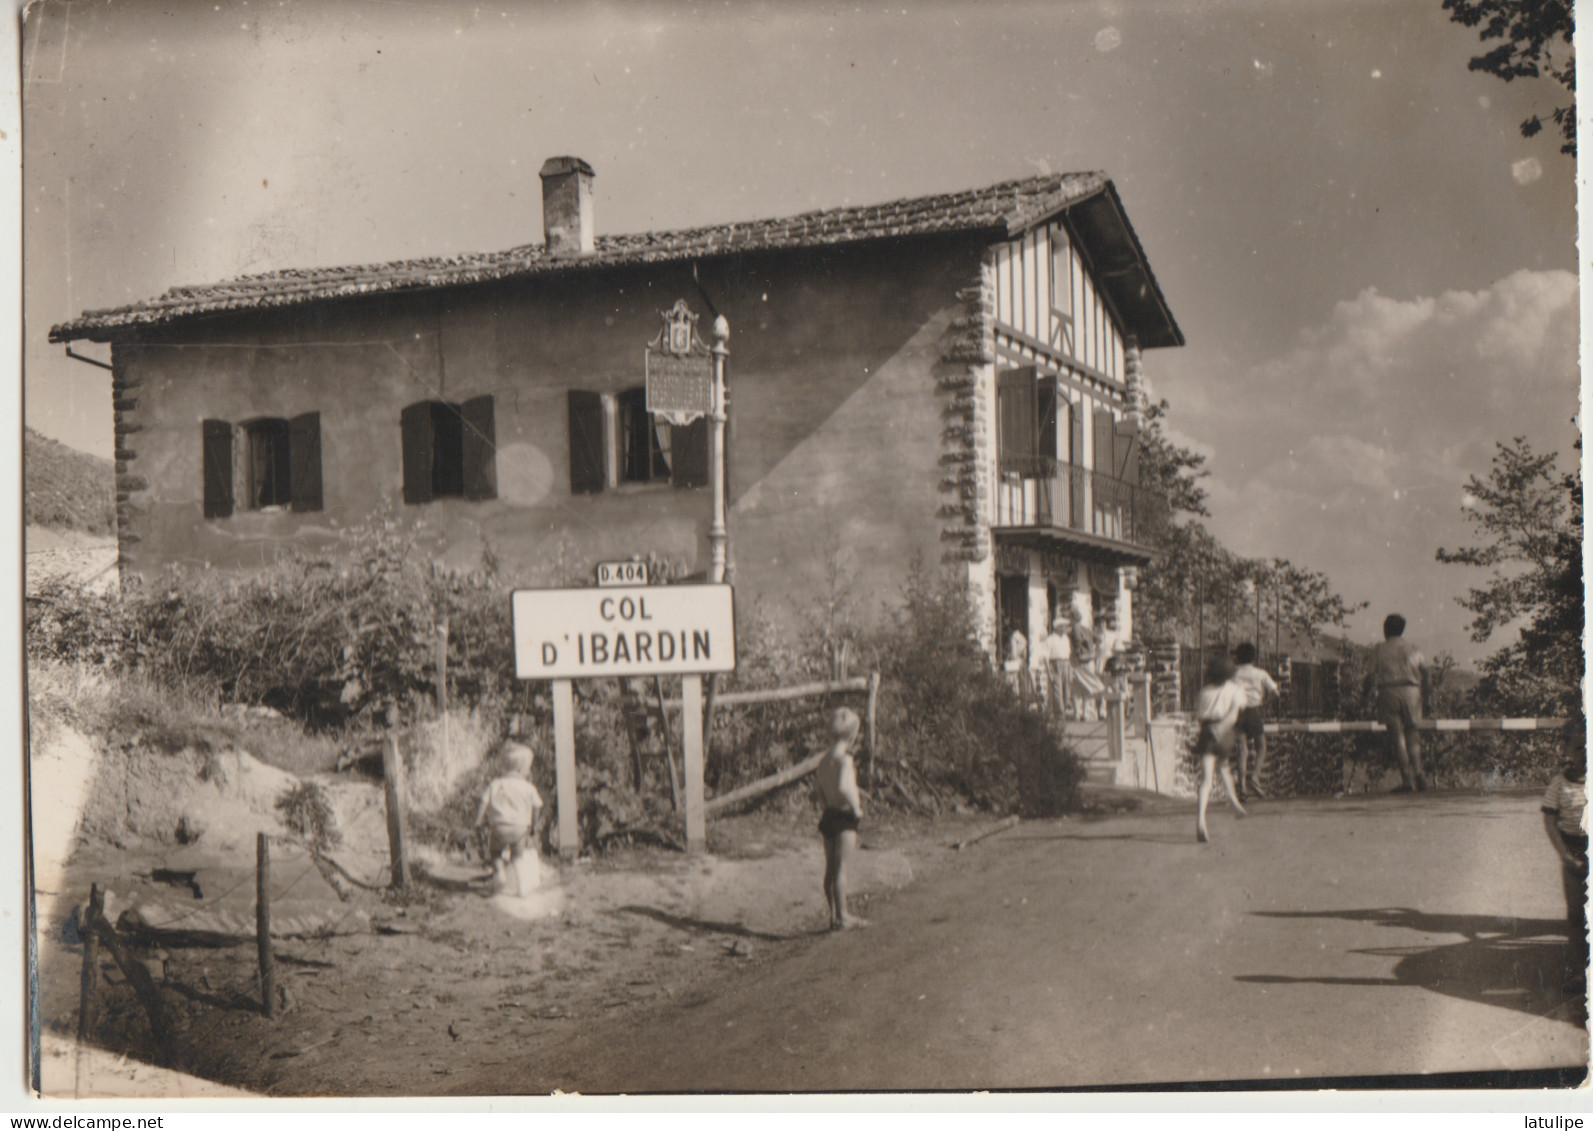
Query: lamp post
x,y
718,536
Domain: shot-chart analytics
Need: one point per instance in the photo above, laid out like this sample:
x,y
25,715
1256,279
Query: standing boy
x,y
1399,672
1257,685
1217,709
1564,804
836,779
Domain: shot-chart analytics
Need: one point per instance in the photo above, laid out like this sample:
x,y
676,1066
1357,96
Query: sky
x,y
1375,273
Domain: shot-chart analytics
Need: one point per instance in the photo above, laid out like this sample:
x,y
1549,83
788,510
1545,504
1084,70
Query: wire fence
x,y
1308,689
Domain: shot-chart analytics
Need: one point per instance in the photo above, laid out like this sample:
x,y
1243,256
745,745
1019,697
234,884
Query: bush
x,y
335,641
306,811
949,712
1304,765
324,639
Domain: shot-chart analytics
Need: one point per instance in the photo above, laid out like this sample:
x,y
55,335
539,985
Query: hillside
x,y
65,489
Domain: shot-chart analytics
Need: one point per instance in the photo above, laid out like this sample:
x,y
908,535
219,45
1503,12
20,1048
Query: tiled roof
x,y
1011,206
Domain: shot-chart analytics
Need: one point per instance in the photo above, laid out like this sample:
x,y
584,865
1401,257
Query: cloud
x,y
1431,375
1350,452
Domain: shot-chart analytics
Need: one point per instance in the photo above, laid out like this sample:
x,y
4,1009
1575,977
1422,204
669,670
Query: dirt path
x,y
455,981
1367,938
1363,937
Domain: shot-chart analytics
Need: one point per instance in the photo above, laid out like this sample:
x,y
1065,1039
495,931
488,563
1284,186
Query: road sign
x,y
622,573
679,369
613,632
679,386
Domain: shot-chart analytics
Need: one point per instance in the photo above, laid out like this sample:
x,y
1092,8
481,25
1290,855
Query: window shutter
x,y
1017,410
415,425
480,449
1105,489
1104,428
304,461
690,451
586,442
217,459
1046,388
1076,459
1125,452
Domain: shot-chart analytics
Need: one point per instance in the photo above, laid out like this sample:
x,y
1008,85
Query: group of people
x,y
1231,728
1075,661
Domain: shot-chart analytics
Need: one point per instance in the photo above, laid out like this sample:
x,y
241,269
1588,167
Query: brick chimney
x,y
567,206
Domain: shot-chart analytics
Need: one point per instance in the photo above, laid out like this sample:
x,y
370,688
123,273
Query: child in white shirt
x,y
1217,709
508,813
1257,685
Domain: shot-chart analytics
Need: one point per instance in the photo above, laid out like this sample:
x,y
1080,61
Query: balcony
x,y
1044,502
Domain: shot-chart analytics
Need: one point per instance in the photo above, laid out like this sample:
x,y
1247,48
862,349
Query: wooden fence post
x,y
691,743
262,924
442,669
565,774
90,979
393,787
675,786
139,977
873,740
710,694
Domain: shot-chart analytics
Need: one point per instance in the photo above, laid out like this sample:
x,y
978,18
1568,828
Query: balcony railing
x,y
1040,491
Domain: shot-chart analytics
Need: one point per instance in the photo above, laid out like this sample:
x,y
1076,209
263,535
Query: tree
x,y
1195,581
1528,516
1169,469
1536,38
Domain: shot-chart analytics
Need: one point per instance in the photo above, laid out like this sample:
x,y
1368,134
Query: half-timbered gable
x,y
1072,521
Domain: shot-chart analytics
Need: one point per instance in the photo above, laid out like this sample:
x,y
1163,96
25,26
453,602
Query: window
x,y
1061,290
450,450
276,461
268,464
614,440
1061,275
644,440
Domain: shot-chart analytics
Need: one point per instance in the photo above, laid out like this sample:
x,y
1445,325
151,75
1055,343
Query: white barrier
x,y
1337,726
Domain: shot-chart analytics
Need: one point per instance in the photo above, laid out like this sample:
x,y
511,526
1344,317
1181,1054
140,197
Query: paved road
x,y
1390,934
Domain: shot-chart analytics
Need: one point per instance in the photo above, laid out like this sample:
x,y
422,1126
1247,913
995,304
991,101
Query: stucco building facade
x,y
953,378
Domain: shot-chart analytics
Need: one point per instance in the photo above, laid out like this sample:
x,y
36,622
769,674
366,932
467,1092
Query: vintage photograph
x,y
669,548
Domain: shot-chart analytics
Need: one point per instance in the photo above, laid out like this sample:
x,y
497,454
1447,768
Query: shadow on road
x,y
1142,838
703,926
1513,963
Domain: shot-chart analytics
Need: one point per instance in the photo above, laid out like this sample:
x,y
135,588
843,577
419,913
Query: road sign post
x,y
718,533
691,742
564,767
619,632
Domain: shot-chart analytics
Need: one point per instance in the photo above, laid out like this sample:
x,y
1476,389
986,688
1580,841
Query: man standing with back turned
x,y
1399,671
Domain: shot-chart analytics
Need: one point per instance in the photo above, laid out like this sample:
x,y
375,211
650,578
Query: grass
x,y
133,709
67,489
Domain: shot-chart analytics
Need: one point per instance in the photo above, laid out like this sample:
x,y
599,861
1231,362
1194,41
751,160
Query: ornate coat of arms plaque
x,y
679,369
